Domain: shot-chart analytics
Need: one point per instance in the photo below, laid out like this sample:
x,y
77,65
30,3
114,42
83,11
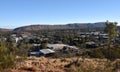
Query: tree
x,y
110,29
43,45
7,58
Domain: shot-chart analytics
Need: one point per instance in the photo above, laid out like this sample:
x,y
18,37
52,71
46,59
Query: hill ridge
x,y
65,26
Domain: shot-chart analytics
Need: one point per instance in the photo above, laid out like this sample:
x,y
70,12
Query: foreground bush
x,y
110,53
7,58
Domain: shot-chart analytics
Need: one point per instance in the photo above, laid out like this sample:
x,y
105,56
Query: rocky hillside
x,y
67,26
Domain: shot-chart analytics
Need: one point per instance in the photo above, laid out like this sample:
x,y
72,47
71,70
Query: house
x,y
60,46
46,52
36,44
104,36
91,44
42,52
24,36
36,53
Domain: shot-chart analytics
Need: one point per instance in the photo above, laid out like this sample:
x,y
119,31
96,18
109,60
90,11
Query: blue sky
x,y
16,13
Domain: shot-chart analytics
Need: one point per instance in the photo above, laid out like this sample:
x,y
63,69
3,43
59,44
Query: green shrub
x,y
7,58
110,53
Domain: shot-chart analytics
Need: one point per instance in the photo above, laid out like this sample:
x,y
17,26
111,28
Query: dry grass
x,y
43,64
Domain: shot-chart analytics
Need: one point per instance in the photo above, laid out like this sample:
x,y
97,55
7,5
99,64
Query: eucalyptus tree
x,y
111,30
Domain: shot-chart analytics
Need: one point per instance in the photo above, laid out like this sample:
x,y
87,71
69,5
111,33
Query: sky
x,y
16,13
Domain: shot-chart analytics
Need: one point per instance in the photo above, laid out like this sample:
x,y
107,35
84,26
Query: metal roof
x,y
46,51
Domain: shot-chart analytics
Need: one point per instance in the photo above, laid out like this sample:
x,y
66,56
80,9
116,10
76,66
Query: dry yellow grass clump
x,y
42,64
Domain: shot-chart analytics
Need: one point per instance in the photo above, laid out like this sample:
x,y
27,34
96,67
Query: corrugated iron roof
x,y
46,51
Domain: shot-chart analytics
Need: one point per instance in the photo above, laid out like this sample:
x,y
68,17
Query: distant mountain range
x,y
98,25
66,26
5,30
